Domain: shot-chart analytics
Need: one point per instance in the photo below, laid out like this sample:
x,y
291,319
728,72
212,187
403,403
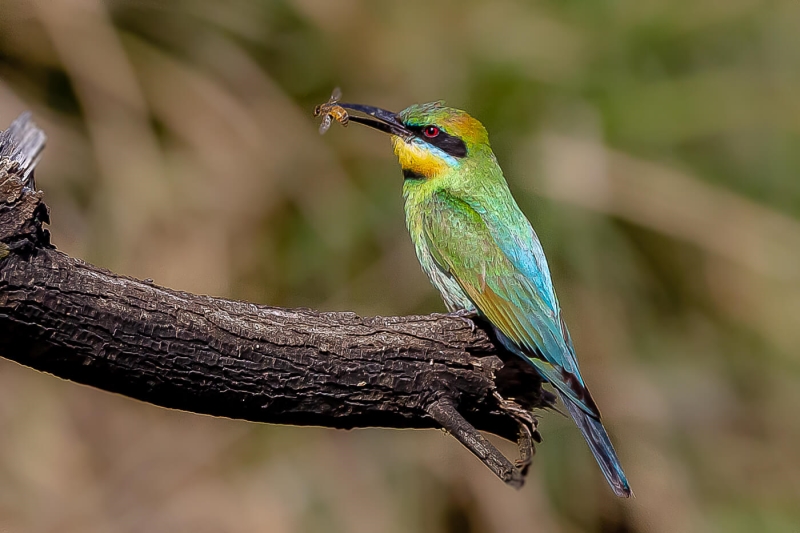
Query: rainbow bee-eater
x,y
481,253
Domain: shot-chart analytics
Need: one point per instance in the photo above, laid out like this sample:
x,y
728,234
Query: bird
x,y
481,253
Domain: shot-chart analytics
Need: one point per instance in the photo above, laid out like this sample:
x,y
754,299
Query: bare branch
x,y
240,360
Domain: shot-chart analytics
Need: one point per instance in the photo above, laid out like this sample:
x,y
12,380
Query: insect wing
x,y
326,123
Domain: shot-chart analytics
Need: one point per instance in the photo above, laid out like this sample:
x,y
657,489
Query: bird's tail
x,y
598,441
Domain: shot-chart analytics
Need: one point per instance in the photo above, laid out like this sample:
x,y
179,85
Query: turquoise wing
x,y
502,270
500,265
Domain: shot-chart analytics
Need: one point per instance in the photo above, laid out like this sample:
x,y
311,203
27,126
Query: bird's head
x,y
429,140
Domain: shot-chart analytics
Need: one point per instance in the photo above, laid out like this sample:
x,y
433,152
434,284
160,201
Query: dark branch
x,y
240,360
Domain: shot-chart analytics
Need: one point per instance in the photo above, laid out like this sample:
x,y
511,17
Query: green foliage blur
x,y
655,146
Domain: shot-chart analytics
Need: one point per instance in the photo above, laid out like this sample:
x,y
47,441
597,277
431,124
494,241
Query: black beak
x,y
387,122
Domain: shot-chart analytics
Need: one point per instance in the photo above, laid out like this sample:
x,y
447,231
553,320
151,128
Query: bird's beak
x,y
387,122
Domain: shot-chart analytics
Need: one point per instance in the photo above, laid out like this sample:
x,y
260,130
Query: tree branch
x,y
240,360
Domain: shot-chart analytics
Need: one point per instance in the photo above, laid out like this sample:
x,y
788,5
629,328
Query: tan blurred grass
x,y
662,136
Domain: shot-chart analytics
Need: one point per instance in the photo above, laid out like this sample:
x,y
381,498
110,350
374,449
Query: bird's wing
x,y
506,287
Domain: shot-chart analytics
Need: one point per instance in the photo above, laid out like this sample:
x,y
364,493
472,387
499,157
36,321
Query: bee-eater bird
x,y
482,254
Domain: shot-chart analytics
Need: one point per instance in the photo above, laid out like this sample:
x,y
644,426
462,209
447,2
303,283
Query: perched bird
x,y
481,253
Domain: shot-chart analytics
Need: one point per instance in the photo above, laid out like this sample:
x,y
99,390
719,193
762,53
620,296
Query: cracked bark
x,y
240,360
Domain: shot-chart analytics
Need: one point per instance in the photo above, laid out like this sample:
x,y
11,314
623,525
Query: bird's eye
x,y
430,131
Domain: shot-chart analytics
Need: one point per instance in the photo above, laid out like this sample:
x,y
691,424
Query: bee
x,y
331,110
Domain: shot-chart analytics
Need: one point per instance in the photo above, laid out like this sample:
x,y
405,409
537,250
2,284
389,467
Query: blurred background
x,y
655,146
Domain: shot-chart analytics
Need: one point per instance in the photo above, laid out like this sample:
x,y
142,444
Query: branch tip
x,y
445,413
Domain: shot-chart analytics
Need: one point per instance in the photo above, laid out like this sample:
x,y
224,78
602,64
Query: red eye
x,y
430,131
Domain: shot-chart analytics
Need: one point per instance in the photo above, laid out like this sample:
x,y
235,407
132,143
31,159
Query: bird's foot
x,y
465,315
527,430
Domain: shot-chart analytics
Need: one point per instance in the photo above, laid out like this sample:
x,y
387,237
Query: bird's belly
x,y
454,297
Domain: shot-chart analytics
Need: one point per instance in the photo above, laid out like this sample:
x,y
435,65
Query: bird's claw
x,y
467,316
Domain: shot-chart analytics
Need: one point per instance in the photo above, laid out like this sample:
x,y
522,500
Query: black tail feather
x,y
602,449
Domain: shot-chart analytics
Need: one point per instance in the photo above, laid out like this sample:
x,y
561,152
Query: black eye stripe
x,y
450,144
